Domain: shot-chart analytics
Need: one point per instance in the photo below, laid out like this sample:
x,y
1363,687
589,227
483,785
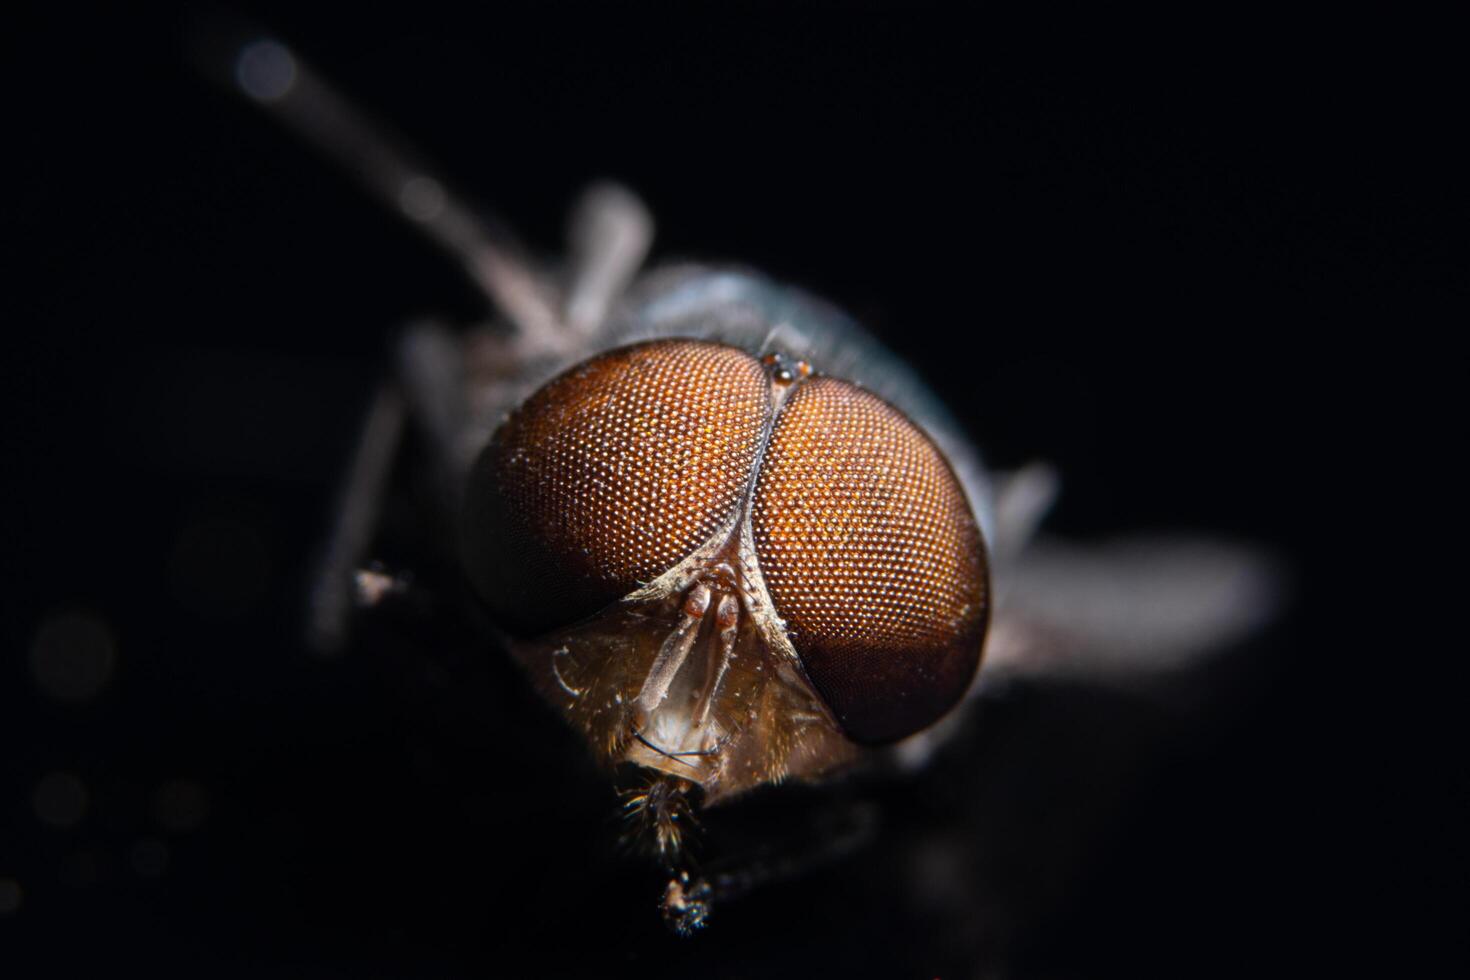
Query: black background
x,y
1202,266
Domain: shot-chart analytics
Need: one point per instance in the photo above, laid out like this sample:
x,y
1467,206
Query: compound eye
x,y
608,476
873,559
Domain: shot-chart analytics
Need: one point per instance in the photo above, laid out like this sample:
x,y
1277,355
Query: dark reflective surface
x,y
1184,277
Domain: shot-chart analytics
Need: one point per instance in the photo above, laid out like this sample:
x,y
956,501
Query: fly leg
x,y
433,372
832,834
334,588
283,83
611,229
429,390
610,235
1023,499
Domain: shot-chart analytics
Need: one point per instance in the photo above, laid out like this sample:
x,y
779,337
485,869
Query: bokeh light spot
x,y
72,656
180,805
60,800
150,857
422,198
266,70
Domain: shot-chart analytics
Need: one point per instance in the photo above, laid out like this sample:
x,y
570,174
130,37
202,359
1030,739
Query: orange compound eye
x,y
623,467
609,475
873,559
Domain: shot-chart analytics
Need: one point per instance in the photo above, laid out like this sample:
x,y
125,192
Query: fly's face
x,y
726,569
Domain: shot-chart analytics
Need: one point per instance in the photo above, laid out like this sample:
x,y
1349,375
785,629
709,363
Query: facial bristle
x,y
659,816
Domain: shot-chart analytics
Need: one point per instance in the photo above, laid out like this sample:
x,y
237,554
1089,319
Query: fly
x,y
732,540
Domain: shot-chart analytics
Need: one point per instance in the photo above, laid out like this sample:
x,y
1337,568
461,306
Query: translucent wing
x,y
1122,612
1127,609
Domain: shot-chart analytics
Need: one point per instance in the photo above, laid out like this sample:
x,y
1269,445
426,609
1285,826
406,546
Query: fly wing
x,y
1129,609
1120,613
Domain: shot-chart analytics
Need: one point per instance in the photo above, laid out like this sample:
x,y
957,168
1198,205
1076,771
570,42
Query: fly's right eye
x,y
609,475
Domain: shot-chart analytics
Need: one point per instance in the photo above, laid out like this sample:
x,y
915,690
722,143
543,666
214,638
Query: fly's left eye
x,y
873,559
